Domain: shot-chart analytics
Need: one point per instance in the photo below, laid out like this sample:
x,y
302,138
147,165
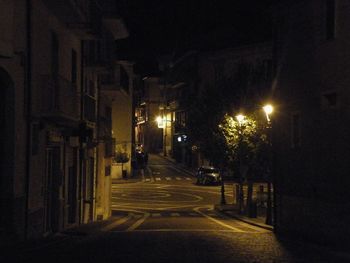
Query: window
x,y
108,112
107,170
124,79
74,67
330,19
295,130
91,88
329,100
109,147
35,138
54,54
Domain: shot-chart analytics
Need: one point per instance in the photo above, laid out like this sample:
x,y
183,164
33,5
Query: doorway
x,y
7,131
52,182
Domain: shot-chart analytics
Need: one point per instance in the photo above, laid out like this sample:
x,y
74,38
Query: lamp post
x,y
240,118
223,199
165,133
268,109
162,124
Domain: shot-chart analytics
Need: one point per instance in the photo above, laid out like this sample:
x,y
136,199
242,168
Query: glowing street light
x,y
240,118
160,121
268,109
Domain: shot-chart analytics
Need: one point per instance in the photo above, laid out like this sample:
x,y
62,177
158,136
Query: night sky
x,y
161,27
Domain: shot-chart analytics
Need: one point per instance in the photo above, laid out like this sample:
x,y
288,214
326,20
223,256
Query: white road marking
x,y
174,214
162,186
167,178
217,221
187,178
138,222
156,214
183,230
178,178
148,206
116,223
158,179
147,179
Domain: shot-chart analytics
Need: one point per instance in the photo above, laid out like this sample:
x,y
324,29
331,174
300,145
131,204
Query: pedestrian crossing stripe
x,y
178,214
156,214
167,179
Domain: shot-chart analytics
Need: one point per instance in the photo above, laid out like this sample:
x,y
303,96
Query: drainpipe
x,y
81,150
28,92
97,167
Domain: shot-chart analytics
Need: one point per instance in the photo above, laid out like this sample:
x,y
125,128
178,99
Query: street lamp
x,y
240,118
162,124
159,121
268,109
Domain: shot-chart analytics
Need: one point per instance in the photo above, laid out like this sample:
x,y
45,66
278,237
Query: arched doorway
x,y
7,132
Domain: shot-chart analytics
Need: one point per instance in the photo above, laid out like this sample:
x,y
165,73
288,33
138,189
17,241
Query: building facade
x,y
55,163
311,131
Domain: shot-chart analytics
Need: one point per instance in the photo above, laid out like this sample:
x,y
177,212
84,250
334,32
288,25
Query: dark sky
x,y
159,27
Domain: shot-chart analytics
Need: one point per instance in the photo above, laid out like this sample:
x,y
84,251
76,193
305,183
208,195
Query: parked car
x,y
208,175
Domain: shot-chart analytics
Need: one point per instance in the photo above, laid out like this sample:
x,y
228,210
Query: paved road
x,y
165,217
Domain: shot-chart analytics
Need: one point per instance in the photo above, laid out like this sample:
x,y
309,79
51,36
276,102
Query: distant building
x,y
148,107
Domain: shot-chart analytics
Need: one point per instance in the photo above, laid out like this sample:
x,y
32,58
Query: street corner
x,y
231,211
226,207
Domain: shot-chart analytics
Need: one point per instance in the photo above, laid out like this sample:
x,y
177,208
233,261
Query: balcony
x,y
81,16
96,56
59,101
109,83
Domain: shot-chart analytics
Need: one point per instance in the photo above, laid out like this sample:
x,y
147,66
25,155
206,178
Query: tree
x,y
246,150
121,157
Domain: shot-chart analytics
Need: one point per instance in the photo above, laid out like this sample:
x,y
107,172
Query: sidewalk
x,y
23,248
231,210
135,178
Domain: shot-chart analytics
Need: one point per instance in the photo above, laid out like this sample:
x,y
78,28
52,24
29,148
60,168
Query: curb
x,y
247,221
125,181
